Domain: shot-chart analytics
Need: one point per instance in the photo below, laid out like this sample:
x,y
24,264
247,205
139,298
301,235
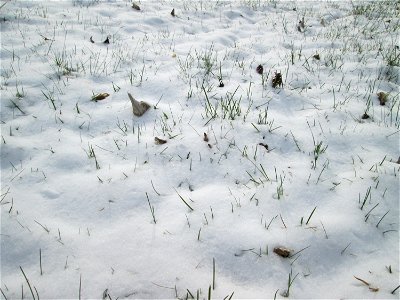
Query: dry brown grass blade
x,y
363,281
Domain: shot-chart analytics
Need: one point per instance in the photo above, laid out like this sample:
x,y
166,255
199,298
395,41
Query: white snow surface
x,y
82,179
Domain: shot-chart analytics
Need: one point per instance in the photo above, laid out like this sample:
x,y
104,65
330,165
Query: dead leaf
x,y
159,141
382,97
205,138
260,69
100,96
277,80
264,145
135,6
365,116
282,251
173,12
138,108
374,289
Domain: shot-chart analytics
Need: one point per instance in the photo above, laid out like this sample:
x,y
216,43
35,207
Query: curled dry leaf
x,y
205,138
282,251
91,40
135,6
260,69
277,80
264,145
173,12
159,141
100,96
107,40
365,116
301,25
382,97
138,108
316,56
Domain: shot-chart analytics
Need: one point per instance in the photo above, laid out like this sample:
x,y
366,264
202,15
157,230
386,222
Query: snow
x,y
92,207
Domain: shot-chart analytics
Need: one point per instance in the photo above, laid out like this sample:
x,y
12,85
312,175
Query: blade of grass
x,y
184,200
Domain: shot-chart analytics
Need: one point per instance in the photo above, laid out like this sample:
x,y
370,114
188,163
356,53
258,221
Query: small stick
x,y
363,281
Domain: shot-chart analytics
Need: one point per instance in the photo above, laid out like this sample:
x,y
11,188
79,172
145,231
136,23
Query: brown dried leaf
x,y
372,289
264,145
260,69
135,6
159,141
282,251
365,116
382,97
100,96
277,80
205,138
138,108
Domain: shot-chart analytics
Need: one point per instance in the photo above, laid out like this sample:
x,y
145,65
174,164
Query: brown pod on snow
x,y
135,6
282,251
100,96
277,80
260,69
159,141
138,108
382,97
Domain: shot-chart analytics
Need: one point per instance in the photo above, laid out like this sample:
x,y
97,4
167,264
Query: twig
x,y
363,281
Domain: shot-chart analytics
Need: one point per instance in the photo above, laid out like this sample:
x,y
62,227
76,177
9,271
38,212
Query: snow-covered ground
x,y
92,206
